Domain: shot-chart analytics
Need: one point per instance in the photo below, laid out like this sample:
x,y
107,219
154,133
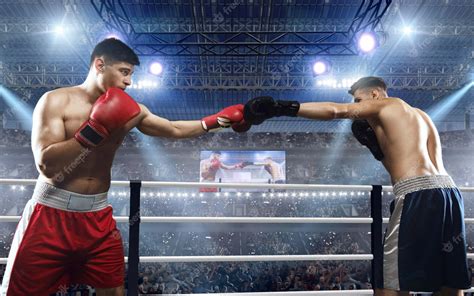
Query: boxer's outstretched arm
x,y
329,110
229,167
153,125
156,126
51,151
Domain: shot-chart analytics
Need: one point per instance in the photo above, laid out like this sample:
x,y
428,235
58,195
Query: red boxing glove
x,y
215,164
225,118
110,112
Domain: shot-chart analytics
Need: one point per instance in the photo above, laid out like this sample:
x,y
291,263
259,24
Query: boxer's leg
x,y
118,291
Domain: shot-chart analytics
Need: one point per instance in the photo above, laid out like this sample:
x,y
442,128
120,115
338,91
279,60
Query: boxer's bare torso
x,y
207,172
66,110
409,141
272,167
407,136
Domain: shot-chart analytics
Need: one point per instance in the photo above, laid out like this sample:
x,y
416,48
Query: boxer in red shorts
x,y
67,233
209,168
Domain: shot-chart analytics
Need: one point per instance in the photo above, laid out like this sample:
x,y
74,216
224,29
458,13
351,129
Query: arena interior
x,y
211,54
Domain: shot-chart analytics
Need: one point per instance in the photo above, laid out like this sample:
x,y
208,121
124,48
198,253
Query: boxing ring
x,y
134,219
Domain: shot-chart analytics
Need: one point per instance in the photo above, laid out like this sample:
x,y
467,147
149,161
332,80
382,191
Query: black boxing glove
x,y
364,133
246,163
259,109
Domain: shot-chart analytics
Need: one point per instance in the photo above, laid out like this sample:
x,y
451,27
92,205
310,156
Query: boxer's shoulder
x,y
58,97
66,91
392,105
393,101
52,102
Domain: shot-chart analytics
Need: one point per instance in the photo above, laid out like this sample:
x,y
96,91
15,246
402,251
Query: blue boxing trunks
x,y
425,241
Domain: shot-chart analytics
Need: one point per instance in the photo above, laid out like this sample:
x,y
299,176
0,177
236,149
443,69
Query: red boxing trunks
x,y
63,238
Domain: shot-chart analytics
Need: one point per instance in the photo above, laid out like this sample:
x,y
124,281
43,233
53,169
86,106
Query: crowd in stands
x,y
246,276
252,277
223,140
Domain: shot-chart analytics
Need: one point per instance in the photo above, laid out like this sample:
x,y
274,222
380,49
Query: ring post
x,y
376,235
133,237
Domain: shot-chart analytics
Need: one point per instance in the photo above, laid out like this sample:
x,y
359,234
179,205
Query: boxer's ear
x,y
99,64
374,93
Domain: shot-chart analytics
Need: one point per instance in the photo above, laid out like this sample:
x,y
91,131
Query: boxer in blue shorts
x,y
425,242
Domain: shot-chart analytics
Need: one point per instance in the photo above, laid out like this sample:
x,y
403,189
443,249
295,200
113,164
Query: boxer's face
x,y
116,74
216,156
373,93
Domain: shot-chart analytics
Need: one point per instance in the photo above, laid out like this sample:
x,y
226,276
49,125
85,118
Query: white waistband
x,y
58,198
414,184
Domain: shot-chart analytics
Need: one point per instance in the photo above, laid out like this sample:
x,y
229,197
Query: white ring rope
x,y
256,258
253,258
211,184
247,258
237,220
261,220
229,185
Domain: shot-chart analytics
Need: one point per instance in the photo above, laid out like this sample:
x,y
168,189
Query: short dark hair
x,y
370,81
114,50
216,152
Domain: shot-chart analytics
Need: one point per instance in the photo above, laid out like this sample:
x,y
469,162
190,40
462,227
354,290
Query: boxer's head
x,y
368,88
113,62
216,155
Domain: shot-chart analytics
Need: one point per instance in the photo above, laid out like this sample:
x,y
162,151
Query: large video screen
x,y
243,167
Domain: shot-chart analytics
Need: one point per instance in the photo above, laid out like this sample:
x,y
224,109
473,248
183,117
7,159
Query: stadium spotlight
x,y
113,35
367,42
156,68
407,30
320,67
59,30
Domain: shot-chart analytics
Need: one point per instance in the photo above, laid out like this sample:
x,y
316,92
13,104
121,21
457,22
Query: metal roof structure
x,y
217,52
